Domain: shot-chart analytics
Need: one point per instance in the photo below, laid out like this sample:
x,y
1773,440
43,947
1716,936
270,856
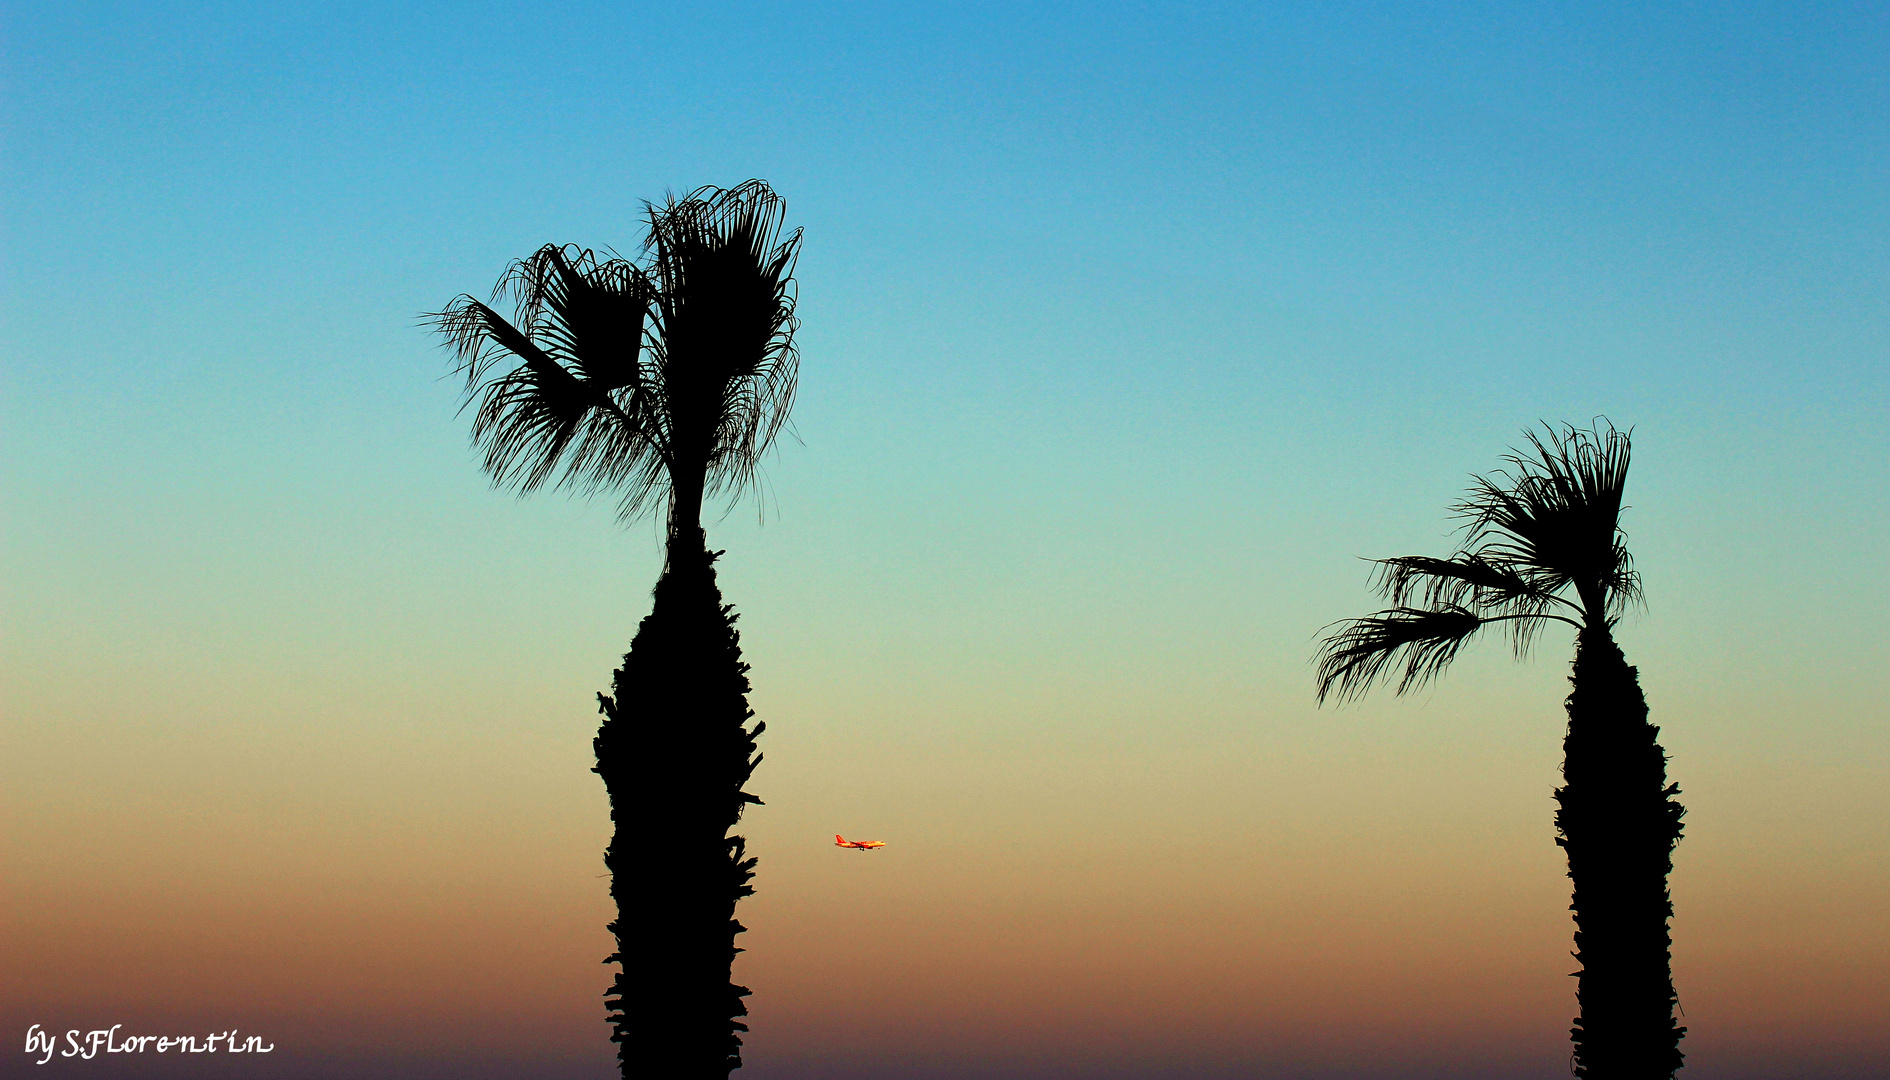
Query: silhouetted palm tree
x,y
665,378
1534,535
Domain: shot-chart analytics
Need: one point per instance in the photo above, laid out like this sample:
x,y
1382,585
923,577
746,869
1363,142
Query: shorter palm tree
x,y
1547,528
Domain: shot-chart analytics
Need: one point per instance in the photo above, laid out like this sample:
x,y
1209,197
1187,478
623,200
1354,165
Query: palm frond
x,y
572,402
1622,582
1351,659
1465,580
1553,516
727,362
588,312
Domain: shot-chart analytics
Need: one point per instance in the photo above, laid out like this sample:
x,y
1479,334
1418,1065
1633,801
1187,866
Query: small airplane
x,y
858,845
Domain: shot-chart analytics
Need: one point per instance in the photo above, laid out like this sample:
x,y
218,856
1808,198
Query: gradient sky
x,y
1126,330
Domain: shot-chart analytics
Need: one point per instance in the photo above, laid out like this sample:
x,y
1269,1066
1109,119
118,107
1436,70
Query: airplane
x,y
857,845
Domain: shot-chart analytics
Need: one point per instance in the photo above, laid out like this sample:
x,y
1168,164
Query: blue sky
x,y
1098,265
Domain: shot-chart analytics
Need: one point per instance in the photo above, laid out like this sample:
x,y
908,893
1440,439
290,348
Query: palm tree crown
x,y
665,377
1547,526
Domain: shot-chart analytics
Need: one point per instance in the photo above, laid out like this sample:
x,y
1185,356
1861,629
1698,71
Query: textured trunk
x,y
1618,822
674,751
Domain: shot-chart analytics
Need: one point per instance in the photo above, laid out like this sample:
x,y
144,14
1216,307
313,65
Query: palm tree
x,y
664,379
1547,528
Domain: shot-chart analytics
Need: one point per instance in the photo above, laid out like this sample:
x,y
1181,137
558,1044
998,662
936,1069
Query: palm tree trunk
x,y
674,750
685,508
1618,822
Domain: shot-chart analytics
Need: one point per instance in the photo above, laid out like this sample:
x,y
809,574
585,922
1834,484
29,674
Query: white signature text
x,y
107,1040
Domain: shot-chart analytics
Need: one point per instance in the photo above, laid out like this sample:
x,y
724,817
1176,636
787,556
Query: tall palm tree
x,y
664,379
1543,544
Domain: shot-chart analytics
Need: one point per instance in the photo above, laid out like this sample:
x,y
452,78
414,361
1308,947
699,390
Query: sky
x,y
1127,331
